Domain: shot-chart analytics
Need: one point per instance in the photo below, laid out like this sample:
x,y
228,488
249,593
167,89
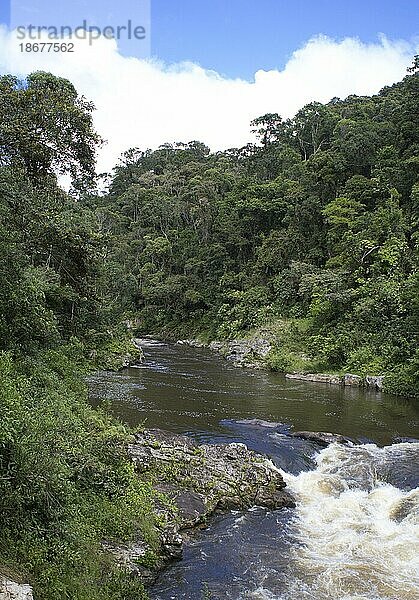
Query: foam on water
x,y
357,534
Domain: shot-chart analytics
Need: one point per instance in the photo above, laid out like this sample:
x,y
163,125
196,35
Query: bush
x,y
285,361
404,379
66,482
364,361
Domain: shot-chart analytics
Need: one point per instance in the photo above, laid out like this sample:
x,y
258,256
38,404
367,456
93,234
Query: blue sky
x,y
238,37
273,56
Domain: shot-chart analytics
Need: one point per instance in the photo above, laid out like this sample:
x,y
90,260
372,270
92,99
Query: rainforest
x,y
308,235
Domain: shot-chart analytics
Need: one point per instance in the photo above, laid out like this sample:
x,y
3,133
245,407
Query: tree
x,y
415,65
270,129
313,126
46,127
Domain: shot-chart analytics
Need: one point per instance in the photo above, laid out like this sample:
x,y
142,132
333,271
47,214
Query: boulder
x,y
202,478
10,590
349,379
322,438
374,381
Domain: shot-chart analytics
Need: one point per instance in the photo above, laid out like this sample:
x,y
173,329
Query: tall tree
x,y
46,126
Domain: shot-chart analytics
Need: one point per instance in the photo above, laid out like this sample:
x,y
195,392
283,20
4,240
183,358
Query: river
x,y
355,531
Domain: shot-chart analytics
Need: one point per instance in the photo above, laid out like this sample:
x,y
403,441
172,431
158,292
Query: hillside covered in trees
x,y
312,232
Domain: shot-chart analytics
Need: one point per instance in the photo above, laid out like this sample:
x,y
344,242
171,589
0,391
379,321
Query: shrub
x,y
66,482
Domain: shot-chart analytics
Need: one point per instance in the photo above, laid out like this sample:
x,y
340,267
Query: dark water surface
x,y
193,390
354,531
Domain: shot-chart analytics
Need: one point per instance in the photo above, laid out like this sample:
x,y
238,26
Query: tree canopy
x,y
314,227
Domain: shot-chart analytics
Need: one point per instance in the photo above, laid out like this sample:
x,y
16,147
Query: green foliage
x,y
149,559
404,379
311,233
116,353
317,222
364,360
46,127
285,361
67,482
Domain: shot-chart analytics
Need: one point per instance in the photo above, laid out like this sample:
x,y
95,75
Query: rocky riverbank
x,y
191,482
252,353
349,379
248,352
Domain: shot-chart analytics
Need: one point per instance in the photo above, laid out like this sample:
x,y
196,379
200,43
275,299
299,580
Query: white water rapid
x,y
357,526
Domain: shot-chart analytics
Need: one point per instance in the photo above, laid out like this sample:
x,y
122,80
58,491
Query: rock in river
x,y
210,476
194,481
322,438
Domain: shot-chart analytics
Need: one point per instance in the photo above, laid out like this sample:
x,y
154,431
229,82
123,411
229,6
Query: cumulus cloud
x,y
145,103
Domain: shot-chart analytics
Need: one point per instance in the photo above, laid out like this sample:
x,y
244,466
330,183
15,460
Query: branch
x,y
369,252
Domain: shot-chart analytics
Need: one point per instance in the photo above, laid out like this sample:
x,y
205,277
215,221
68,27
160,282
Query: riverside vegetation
x,y
311,233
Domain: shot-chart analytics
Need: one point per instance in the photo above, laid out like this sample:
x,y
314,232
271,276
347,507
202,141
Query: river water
x,y
354,534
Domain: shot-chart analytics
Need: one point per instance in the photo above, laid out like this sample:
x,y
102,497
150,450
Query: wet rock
x,y
374,381
355,380
192,482
322,438
244,352
405,507
260,423
10,590
405,440
191,342
316,377
192,507
172,542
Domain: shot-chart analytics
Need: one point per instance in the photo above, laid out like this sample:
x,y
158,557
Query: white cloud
x,y
145,103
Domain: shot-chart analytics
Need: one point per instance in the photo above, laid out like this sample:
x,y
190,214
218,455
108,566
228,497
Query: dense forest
x,y
310,232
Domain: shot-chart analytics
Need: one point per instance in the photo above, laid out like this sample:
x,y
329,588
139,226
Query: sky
x,y
238,37
207,67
